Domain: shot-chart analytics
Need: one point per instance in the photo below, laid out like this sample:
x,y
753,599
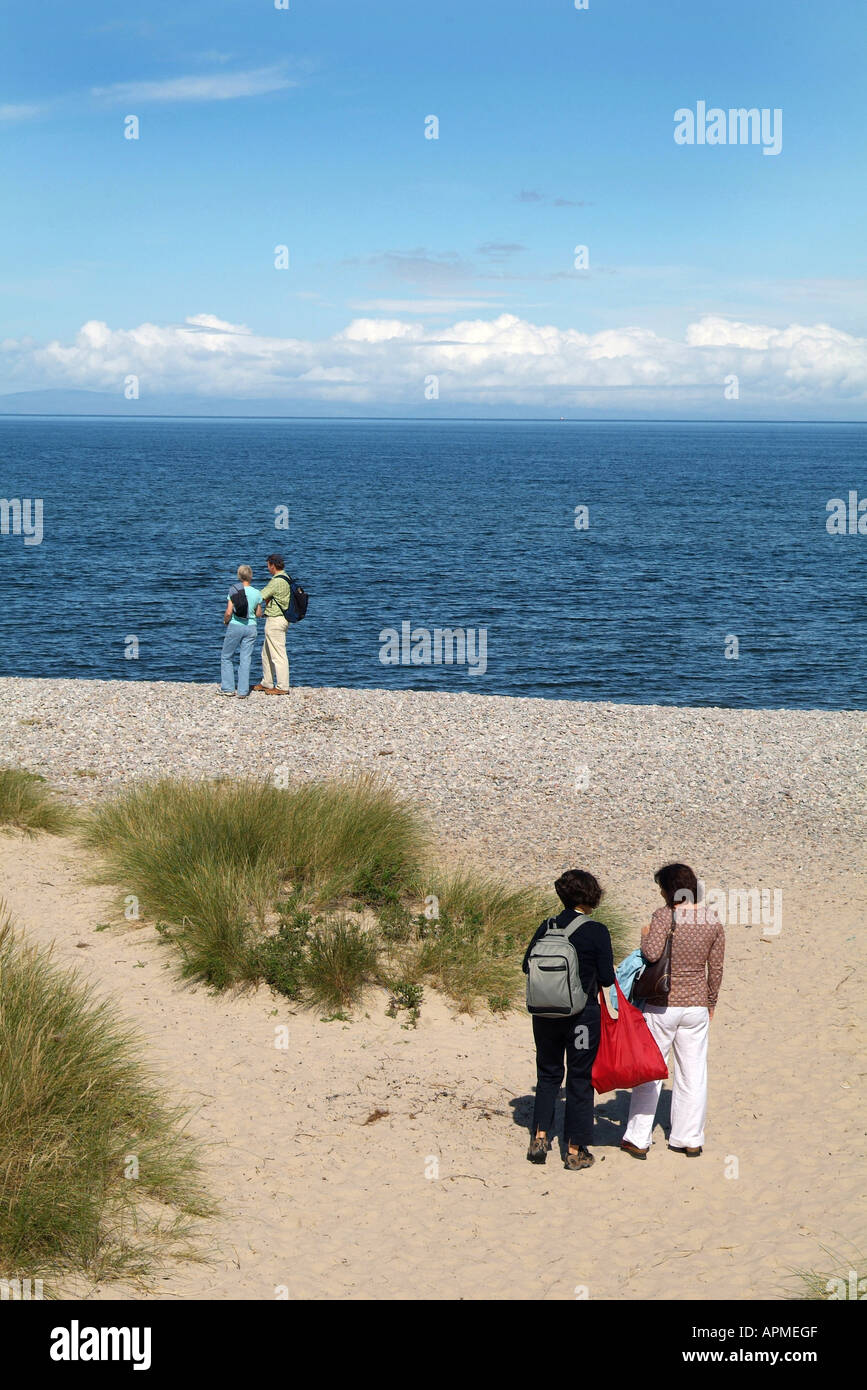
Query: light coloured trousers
x,y
686,1031
275,662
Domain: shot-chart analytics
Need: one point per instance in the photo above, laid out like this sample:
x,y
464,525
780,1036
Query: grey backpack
x,y
554,988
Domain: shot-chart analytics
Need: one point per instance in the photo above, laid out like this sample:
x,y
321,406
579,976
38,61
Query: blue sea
x,y
696,534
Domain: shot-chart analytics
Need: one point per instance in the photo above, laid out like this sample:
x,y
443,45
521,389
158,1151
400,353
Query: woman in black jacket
x,y
575,1037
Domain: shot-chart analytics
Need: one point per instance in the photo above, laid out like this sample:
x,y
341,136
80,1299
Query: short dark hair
x,y
277,561
577,888
678,883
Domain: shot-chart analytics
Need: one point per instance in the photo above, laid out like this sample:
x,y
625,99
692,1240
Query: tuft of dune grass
x,y
212,861
845,1279
209,859
473,946
97,1174
341,958
351,838
27,803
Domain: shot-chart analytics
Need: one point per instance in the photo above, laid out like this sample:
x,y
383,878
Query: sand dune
x,y
434,1198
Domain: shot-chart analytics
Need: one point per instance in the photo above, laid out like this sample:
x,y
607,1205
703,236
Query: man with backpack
x,y
567,963
277,598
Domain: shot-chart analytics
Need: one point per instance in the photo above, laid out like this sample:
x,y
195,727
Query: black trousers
x,y
576,1039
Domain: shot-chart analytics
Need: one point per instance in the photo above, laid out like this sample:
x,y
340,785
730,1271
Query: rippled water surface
x,y
697,533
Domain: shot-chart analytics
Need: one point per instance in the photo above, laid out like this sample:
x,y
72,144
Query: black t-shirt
x,y
592,942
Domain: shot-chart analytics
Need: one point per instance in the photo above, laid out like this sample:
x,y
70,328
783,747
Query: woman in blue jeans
x,y
241,631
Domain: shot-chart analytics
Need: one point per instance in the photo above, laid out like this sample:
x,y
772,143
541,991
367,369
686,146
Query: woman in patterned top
x,y
697,952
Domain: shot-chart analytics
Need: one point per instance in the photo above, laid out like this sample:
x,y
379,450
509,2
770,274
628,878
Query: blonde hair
x,y
244,572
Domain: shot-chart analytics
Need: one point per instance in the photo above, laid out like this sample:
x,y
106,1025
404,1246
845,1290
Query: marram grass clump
x,y
209,859
97,1173
27,803
346,869
472,944
843,1280
341,958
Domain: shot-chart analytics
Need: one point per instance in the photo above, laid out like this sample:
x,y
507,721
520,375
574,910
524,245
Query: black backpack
x,y
298,601
238,596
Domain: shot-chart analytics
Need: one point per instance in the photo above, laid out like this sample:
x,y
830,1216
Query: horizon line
x,y
418,419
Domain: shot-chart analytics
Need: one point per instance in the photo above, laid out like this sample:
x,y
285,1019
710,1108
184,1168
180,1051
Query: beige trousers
x,y
275,662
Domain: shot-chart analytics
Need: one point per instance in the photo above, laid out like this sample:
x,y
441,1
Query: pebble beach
x,y
521,784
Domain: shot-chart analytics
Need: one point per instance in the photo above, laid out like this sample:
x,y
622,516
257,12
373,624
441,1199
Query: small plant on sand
x,y
341,958
396,924
279,959
406,994
461,962
500,1003
27,803
96,1172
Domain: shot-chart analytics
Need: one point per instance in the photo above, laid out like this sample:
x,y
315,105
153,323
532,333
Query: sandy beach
x,y
370,1160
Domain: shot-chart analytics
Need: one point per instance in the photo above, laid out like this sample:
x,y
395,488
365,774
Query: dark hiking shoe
x,y
538,1150
632,1149
690,1153
582,1159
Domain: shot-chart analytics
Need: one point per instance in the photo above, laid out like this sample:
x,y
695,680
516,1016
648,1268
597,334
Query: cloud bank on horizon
x,y
499,207
502,361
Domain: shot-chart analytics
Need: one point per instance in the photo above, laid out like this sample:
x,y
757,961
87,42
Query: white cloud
x,y
211,322
22,112
419,306
505,360
218,86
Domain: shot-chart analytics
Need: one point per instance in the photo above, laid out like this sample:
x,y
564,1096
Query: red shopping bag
x,y
627,1054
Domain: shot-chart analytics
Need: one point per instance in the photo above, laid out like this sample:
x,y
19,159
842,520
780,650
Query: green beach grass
x,y
209,860
97,1174
843,1280
28,804
318,889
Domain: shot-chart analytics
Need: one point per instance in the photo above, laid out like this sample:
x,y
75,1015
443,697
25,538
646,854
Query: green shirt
x,y
280,588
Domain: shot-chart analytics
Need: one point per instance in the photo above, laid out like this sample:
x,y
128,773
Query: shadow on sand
x,y
610,1118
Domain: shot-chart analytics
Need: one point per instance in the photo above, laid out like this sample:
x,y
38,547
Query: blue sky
x,y
261,127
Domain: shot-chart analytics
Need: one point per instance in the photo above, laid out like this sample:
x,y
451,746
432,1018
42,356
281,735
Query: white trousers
x,y
686,1031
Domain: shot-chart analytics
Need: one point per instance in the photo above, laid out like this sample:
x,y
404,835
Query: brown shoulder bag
x,y
654,983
